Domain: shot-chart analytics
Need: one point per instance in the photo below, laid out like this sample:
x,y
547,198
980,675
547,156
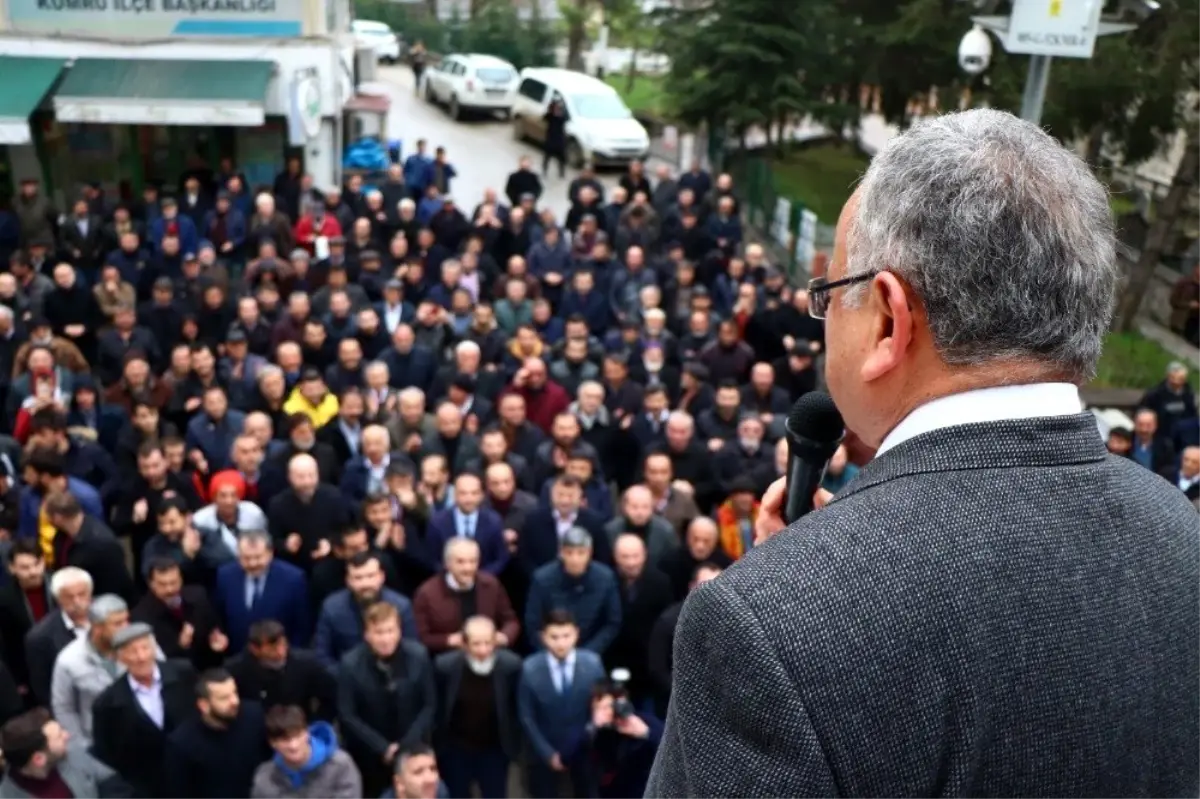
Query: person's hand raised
x,y
770,512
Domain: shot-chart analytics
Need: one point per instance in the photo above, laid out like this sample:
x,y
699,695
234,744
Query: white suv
x,y
600,127
472,82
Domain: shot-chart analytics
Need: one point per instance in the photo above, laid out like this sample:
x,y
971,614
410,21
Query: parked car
x,y
472,82
378,37
600,127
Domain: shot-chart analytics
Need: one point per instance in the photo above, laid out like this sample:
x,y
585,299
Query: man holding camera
x,y
616,747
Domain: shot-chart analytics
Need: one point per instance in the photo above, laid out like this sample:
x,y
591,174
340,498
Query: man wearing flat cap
x,y
132,718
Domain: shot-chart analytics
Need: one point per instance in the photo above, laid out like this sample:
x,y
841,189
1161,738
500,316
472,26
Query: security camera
x,y
975,51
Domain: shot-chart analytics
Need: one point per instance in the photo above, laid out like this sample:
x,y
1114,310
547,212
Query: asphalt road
x,y
481,149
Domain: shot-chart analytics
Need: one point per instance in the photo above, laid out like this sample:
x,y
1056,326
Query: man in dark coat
x,y
130,740
923,632
475,684
555,145
386,696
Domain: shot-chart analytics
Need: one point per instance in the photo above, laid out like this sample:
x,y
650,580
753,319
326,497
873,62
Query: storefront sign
x,y
156,19
306,107
1059,28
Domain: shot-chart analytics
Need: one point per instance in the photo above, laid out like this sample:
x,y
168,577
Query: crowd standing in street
x,y
384,491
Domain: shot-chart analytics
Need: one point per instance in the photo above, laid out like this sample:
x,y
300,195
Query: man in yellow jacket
x,y
312,398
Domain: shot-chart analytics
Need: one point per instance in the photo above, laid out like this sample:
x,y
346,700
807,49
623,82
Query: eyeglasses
x,y
820,291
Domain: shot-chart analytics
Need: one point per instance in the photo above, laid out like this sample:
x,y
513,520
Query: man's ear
x,y
891,326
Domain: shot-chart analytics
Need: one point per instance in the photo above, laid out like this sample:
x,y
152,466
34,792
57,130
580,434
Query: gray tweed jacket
x,y
990,609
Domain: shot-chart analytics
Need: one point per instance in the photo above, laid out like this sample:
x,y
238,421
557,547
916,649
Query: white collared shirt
x,y
561,671
79,630
996,404
377,473
150,698
1187,482
563,524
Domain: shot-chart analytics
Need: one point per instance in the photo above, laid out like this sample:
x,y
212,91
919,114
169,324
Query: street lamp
x,y
1044,30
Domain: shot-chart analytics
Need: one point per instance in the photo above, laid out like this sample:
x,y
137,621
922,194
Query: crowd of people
x,y
348,492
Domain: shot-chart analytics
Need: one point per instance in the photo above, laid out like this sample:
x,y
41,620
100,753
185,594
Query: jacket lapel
x,y
1007,444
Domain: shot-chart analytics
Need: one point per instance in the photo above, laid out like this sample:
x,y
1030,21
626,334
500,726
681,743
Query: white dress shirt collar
x,y
996,404
78,630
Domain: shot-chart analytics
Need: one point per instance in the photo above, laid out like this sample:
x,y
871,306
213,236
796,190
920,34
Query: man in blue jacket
x,y
588,590
554,702
340,623
210,435
173,223
418,172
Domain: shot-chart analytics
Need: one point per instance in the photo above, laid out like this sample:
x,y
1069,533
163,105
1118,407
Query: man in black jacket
x,y
538,544
71,588
215,753
136,512
386,696
304,518
477,730
645,594
272,673
184,622
660,659
25,599
132,740
88,543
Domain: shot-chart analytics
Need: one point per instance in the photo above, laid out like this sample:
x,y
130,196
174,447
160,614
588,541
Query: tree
x,y
745,63
575,15
631,27
1161,232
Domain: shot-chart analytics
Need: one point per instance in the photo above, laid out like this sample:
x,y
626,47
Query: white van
x,y
600,127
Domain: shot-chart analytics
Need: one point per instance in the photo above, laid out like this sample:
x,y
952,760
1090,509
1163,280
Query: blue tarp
x,y
367,154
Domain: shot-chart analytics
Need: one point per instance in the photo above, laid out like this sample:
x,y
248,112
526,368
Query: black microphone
x,y
814,429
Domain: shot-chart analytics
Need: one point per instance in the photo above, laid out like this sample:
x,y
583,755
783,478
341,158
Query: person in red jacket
x,y
313,225
544,399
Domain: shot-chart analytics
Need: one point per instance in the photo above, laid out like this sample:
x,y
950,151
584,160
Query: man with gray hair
x,y
1173,400
87,666
577,584
994,605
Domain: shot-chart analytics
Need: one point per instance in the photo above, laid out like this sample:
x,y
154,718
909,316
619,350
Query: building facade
x,y
136,92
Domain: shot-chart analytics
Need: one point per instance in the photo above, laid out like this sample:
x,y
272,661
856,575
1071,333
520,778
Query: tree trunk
x,y
576,34
631,73
1160,232
1095,146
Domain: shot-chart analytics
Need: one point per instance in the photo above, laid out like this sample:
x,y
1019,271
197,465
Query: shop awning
x,y
145,92
26,81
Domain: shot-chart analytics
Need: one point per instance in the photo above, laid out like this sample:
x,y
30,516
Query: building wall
x,y
331,57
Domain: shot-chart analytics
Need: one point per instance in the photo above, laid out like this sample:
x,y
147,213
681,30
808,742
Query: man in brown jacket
x,y
448,599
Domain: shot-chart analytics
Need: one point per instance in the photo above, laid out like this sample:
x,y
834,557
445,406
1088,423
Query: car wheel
x,y
574,154
429,98
506,114
454,109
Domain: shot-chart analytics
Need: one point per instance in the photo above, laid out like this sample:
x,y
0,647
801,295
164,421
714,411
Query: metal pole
x,y
1035,88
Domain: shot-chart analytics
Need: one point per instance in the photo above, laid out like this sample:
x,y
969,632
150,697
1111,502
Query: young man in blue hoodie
x,y
307,761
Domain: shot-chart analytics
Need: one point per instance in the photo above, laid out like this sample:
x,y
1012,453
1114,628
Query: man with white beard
x,y
477,733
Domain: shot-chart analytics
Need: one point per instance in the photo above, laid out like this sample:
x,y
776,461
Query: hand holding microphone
x,y
814,430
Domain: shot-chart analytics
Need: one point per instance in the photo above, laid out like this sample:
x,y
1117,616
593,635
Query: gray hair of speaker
x,y
1006,237
104,606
